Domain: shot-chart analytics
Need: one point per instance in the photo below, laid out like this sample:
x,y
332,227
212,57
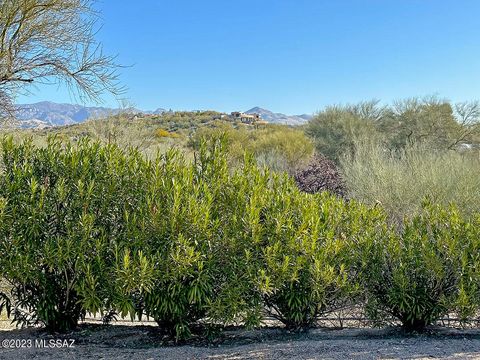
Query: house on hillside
x,y
249,119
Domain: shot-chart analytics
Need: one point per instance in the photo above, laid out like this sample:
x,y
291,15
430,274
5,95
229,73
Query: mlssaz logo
x,y
54,343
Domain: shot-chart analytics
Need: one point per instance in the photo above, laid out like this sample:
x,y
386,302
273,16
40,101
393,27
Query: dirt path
x,y
143,342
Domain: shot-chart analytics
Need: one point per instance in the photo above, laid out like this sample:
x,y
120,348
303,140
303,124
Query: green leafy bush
x,y
191,235
95,229
305,272
335,129
414,275
279,147
62,211
181,229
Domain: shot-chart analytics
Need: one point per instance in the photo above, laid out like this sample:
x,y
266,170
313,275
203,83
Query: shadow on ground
x,y
93,341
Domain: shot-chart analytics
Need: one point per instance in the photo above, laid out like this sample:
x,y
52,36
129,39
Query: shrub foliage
x,y
415,274
320,174
96,229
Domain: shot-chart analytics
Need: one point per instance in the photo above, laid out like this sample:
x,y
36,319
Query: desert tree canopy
x,y
52,41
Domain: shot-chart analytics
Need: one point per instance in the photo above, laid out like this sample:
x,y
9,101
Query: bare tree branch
x,y
468,115
53,41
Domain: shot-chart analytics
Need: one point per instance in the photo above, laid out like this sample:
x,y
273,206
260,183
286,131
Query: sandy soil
x,y
146,342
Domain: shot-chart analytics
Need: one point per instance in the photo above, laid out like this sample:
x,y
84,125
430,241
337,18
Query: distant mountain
x,y
154,112
159,111
46,113
278,118
305,117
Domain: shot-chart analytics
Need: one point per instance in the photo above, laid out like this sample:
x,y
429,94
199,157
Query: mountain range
x,y
47,114
279,118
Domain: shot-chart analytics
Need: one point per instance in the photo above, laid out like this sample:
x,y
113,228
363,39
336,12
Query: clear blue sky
x,y
291,56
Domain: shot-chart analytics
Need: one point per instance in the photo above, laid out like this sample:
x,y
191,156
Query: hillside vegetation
x,y
280,147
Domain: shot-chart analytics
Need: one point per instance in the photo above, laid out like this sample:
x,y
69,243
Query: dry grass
x,y
401,180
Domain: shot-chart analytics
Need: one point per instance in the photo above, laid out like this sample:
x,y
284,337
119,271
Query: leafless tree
x,y
468,115
52,42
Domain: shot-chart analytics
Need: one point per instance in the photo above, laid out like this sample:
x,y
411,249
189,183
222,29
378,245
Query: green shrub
x,y
303,275
62,210
335,129
468,301
414,275
191,234
435,123
96,229
306,261
179,235
279,147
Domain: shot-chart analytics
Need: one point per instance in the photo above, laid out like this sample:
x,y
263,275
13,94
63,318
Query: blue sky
x,y
290,56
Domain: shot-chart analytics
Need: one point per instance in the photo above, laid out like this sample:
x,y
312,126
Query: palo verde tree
x,y
335,129
433,122
51,42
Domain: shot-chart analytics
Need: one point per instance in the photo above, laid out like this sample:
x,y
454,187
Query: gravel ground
x,y
145,342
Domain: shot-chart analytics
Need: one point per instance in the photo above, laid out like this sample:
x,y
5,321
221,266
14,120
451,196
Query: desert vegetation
x,y
198,221
95,228
397,155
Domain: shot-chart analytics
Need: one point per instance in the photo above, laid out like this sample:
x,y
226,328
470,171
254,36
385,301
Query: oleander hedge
x,y
89,228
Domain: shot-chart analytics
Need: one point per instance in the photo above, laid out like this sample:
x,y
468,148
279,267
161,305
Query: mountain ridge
x,y
49,114
279,118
